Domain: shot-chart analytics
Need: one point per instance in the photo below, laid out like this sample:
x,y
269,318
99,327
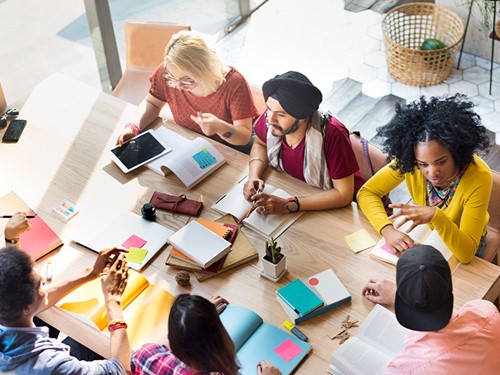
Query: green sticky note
x,y
136,255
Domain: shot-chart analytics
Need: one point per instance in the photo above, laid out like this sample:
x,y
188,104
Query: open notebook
x,y
256,340
269,226
144,324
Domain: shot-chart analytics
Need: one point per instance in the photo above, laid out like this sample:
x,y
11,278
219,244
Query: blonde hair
x,y
190,53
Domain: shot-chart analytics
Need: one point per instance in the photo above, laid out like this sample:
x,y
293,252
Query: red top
x,y
232,101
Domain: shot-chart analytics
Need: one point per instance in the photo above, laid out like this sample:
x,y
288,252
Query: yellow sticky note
x,y
359,240
136,255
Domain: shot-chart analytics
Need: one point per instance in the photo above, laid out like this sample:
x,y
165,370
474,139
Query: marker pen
x,y
297,332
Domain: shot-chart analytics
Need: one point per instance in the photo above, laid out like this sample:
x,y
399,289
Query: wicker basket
x,y
406,27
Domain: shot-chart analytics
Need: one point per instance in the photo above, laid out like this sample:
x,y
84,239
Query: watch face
x,y
292,206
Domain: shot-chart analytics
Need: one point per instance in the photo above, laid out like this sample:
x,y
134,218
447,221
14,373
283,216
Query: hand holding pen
x,y
17,224
250,210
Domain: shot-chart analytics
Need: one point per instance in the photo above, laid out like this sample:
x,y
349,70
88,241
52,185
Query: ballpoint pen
x,y
249,212
9,216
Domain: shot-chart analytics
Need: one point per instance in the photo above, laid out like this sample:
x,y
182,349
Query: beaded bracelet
x,y
115,326
137,130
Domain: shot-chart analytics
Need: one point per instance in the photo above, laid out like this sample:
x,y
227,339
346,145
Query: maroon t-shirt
x,y
339,155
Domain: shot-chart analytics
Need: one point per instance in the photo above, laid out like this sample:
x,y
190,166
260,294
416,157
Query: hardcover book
x,y
328,288
40,239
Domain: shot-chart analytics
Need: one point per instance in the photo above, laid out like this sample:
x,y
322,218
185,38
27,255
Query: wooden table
x,y
63,154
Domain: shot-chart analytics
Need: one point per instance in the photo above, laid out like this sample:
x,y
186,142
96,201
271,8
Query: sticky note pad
x,y
136,255
359,240
288,350
387,249
134,241
204,158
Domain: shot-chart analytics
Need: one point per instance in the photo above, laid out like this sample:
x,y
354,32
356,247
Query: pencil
x,y
9,216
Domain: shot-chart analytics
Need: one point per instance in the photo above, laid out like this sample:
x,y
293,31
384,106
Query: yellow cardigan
x,y
460,225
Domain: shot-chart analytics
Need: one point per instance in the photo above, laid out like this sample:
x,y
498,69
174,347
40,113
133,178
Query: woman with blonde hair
x,y
202,93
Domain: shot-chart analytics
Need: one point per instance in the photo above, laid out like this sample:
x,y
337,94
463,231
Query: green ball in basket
x,y
432,44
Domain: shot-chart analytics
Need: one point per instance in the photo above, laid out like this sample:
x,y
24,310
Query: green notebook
x,y
299,297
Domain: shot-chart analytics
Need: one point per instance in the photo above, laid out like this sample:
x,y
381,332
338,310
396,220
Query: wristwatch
x,y
13,241
293,204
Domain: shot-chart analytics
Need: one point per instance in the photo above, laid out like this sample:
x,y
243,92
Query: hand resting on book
x,y
17,225
380,291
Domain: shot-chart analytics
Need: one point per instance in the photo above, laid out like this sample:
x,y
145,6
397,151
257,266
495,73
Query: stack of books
x,y
303,300
242,250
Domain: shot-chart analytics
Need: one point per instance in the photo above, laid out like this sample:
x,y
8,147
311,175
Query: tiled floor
x,y
317,37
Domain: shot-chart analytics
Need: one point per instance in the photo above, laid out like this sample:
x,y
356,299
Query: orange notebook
x,y
40,239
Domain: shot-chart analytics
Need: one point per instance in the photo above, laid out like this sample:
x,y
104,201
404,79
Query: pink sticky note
x,y
387,249
288,350
134,241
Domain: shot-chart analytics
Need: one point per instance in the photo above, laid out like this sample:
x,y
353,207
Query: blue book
x,y
256,340
327,286
299,297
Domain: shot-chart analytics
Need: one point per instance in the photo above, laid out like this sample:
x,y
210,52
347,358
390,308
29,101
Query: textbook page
x,y
380,338
176,141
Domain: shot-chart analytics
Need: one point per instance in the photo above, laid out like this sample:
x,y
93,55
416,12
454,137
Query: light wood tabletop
x,y
63,154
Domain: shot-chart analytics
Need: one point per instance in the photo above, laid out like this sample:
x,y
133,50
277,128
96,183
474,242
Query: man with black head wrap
x,y
295,137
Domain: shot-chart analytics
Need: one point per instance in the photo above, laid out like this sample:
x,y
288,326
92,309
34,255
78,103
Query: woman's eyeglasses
x,y
183,82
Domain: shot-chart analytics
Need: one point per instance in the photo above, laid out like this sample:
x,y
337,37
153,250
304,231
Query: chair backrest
x,y
493,235
146,42
377,157
258,98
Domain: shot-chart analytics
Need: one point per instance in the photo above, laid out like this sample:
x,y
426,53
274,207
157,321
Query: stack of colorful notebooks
x,y
242,250
303,300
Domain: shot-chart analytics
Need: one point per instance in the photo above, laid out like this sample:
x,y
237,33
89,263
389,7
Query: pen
x,y
250,210
48,271
9,216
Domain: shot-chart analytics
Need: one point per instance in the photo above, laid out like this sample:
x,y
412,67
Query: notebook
x,y
40,239
269,226
256,340
299,297
126,230
200,244
327,286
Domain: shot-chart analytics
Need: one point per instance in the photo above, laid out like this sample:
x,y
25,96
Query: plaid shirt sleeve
x,y
153,359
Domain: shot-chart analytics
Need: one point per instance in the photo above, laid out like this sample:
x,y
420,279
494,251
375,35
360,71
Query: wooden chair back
x,y
493,235
145,48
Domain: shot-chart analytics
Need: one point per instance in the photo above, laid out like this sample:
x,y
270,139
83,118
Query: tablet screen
x,y
139,150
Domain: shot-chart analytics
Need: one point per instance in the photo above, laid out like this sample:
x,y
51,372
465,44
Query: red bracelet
x,y
115,326
137,130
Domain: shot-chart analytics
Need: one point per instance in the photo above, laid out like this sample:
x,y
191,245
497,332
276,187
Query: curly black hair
x,y
17,285
449,120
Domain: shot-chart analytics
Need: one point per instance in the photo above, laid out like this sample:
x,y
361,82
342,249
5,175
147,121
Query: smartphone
x,y
14,131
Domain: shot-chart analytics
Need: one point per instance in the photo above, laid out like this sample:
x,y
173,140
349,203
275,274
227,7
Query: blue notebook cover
x,y
299,297
256,340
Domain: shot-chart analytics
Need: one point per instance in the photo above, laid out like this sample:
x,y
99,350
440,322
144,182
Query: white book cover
x,y
200,244
380,338
127,226
190,161
269,226
328,287
421,234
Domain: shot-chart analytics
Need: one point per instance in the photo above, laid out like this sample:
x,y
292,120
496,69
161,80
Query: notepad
x,y
299,297
200,244
359,241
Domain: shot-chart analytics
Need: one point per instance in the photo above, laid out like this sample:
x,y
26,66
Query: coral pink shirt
x,y
469,344
232,101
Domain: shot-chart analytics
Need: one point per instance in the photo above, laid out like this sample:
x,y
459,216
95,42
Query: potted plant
x,y
486,8
273,262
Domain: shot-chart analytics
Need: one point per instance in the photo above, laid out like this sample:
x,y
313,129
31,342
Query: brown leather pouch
x,y
178,204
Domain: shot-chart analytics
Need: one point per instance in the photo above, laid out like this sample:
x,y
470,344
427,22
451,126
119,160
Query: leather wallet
x,y
179,204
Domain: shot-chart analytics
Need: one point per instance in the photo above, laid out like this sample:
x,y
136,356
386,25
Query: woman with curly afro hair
x,y
432,145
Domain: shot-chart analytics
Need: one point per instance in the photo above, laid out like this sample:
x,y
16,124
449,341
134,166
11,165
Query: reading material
x,y
242,251
422,234
299,297
380,338
256,340
200,244
126,230
269,226
327,286
144,325
190,161
40,239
